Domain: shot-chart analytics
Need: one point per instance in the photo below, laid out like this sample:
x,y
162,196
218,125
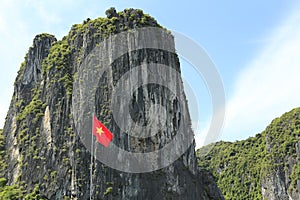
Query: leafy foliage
x,y
239,166
42,36
10,192
58,61
295,176
235,168
114,23
6,192
15,192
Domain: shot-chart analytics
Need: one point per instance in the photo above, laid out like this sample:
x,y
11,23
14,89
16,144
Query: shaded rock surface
x,y
43,152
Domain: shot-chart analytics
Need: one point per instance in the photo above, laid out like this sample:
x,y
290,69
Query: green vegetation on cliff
x,y
235,168
242,167
45,81
115,22
12,192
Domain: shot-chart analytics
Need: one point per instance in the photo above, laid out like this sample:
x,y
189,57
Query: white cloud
x,y
200,131
269,85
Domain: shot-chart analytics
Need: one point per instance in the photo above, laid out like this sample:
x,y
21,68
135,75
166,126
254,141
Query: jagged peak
x,y
42,37
31,67
116,22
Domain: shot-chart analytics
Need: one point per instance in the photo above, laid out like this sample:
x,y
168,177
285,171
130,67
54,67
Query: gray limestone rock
x,y
42,147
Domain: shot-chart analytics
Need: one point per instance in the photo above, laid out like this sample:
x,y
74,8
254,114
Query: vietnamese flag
x,y
103,135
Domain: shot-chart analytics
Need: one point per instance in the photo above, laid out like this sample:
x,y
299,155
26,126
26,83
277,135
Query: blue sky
x,y
254,45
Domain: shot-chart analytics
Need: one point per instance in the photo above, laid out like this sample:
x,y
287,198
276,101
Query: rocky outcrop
x,y
273,186
36,54
281,179
266,166
45,154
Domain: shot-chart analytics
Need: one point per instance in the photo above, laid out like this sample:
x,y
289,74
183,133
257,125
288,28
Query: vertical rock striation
x,y
46,156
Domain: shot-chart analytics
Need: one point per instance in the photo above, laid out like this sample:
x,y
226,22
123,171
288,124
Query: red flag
x,y
103,135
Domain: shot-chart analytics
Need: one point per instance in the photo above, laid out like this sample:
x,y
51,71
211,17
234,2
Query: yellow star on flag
x,y
99,130
104,136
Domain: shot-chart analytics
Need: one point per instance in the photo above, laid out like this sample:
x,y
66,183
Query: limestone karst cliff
x,y
266,166
46,159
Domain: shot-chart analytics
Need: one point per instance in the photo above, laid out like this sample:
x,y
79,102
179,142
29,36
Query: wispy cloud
x,y
269,85
200,130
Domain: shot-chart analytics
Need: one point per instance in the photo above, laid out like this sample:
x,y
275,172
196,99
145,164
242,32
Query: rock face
x,y
44,153
266,166
281,180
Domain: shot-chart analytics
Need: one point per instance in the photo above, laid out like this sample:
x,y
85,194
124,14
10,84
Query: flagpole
x,y
91,167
